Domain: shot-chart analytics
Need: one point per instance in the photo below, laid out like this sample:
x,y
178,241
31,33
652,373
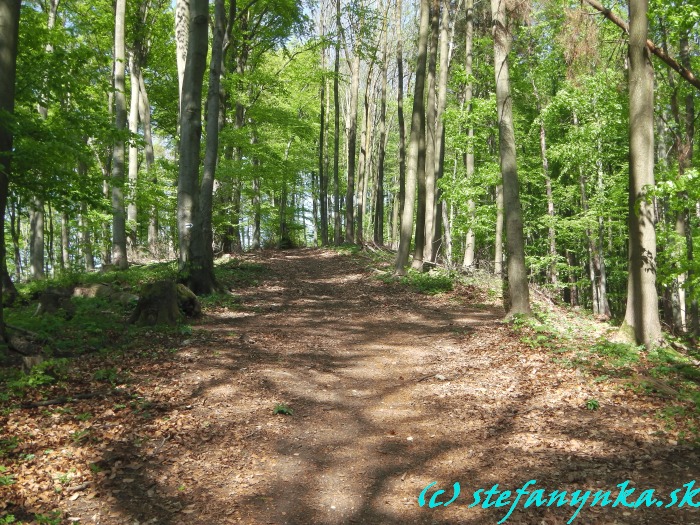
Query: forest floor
x,y
382,390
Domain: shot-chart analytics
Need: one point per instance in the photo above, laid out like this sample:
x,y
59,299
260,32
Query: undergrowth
x,y
661,372
99,325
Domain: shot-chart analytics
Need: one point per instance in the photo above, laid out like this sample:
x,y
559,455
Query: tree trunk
x,y
551,233
572,290
132,215
202,245
257,210
379,196
9,31
469,156
85,239
198,276
433,221
322,174
352,147
642,321
182,30
15,233
36,238
145,116
402,124
598,243
517,273
119,257
65,252
417,136
498,253
362,163
426,176
336,137
106,229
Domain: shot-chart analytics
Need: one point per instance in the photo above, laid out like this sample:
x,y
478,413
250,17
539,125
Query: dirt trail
x,y
391,390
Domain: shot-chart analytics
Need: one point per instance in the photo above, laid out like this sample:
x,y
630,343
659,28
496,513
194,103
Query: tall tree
x,y
426,175
352,143
336,135
416,145
401,197
323,176
470,243
198,276
36,208
119,257
642,321
379,201
519,293
432,224
132,209
202,245
9,34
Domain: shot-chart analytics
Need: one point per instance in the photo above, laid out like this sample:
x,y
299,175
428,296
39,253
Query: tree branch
x,y
672,63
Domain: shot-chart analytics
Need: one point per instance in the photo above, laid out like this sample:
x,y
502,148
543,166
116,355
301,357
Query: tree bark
x,y
352,148
362,162
551,233
379,196
257,209
322,174
192,271
402,124
517,274
415,146
132,212
202,246
9,35
119,256
145,116
426,176
85,238
469,156
36,238
337,233
433,230
15,233
65,252
642,321
182,30
498,252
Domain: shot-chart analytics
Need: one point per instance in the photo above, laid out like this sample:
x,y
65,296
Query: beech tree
x,y
9,31
416,147
119,256
519,294
642,315
192,260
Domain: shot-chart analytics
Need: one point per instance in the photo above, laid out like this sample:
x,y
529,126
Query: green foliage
x,y
108,375
430,283
619,355
52,518
7,445
50,371
6,479
281,408
233,273
592,404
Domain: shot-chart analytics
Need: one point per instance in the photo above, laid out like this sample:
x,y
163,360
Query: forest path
x,y
391,390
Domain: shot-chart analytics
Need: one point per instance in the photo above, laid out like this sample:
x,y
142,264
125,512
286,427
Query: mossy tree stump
x,y
164,302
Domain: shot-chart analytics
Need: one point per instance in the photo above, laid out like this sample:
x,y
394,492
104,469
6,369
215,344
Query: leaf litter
x,y
385,391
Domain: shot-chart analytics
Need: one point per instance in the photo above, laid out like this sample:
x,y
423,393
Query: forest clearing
x,y
381,387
